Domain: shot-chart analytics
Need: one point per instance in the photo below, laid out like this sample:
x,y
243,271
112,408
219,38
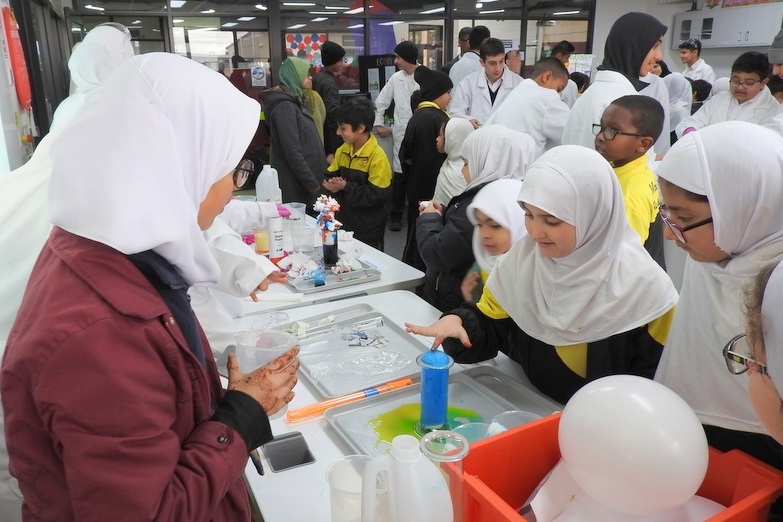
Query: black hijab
x,y
630,39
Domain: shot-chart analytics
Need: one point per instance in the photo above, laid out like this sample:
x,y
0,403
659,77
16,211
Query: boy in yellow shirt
x,y
629,126
360,175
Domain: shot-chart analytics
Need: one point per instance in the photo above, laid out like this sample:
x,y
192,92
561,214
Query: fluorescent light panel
x,y
299,4
319,19
392,23
261,6
176,4
355,11
229,24
436,10
335,8
94,7
297,26
246,18
493,11
566,12
356,26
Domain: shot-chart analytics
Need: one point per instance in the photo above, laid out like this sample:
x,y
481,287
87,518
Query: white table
x,y
302,493
395,275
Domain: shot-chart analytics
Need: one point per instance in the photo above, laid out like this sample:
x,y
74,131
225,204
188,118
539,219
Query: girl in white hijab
x,y
450,179
721,189
106,361
444,235
498,223
584,298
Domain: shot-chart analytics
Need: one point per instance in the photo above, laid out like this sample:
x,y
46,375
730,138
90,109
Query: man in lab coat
x,y
469,62
464,46
482,92
535,108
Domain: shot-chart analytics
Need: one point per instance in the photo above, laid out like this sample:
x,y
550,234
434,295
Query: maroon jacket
x,y
107,411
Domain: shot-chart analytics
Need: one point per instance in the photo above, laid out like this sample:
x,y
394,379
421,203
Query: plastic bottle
x,y
416,489
276,252
268,185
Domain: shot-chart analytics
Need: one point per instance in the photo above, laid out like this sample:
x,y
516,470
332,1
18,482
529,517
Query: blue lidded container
x,y
434,390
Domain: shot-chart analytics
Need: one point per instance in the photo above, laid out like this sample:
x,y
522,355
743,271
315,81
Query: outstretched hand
x,y
274,277
447,326
270,385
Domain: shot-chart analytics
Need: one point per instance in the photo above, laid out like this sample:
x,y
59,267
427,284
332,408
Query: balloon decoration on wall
x,y
305,46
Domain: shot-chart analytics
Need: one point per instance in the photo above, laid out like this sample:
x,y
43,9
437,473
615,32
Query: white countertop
x,y
302,493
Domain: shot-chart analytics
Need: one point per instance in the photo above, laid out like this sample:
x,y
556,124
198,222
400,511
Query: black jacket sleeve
x,y
487,336
444,246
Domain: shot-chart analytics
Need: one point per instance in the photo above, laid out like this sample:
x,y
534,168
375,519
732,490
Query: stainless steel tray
x,y
336,367
368,426
333,281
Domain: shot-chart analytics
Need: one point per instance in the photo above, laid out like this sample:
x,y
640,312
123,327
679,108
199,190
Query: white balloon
x,y
633,445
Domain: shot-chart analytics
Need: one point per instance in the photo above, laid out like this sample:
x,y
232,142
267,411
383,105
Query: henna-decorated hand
x,y
271,385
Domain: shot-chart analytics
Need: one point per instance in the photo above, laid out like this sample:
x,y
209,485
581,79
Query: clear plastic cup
x,y
257,348
510,419
345,487
303,239
473,431
297,217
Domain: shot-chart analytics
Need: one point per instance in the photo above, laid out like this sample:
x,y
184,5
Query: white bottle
x,y
416,488
268,186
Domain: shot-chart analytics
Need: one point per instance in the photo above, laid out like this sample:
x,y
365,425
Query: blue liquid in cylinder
x,y
434,389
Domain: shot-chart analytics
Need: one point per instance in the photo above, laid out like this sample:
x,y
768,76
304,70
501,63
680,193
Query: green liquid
x,y
402,421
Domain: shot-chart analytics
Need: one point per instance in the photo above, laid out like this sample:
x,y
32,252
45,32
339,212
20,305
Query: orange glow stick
x,y
314,410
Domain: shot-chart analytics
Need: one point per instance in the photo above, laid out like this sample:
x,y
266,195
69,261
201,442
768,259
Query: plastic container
x,y
441,447
256,348
276,251
268,185
434,390
501,472
416,488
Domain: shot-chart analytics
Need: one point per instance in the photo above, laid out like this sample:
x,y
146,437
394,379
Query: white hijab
x,y
92,61
739,167
720,85
772,311
498,201
450,179
497,152
142,155
680,96
608,285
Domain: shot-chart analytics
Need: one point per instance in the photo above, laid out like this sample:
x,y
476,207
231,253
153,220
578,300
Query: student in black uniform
x,y
419,154
576,299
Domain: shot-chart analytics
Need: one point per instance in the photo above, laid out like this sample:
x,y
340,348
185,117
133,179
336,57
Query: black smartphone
x,y
287,451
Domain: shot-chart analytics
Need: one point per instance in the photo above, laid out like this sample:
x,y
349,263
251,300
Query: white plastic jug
x,y
268,185
415,486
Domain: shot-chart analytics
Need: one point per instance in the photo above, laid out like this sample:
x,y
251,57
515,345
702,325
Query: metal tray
x,y
359,423
513,391
335,367
333,281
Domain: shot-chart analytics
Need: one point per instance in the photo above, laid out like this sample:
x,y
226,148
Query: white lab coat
x,y
468,64
761,110
700,71
241,270
471,99
570,94
605,88
536,111
658,90
398,89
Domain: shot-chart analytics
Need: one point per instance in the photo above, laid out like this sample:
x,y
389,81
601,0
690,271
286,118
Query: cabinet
x,y
753,26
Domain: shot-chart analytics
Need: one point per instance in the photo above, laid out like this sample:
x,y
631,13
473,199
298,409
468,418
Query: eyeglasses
x,y
738,359
243,172
677,230
736,82
610,133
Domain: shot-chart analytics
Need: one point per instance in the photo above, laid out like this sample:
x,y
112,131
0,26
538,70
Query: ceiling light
x,y
208,11
355,11
479,5
299,4
136,22
176,4
356,26
322,12
261,6
94,7
336,8
392,23
246,18
229,24
436,10
296,26
178,20
319,19
566,12
493,11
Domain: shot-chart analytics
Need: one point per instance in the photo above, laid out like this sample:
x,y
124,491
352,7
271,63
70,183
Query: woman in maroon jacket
x,y
113,405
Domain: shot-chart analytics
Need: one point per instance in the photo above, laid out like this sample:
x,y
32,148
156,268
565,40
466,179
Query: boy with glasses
x,y
695,66
629,126
748,98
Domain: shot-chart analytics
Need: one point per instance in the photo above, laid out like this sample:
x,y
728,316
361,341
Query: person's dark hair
x,y
701,88
775,84
236,60
553,65
562,47
754,320
581,80
698,198
355,112
664,68
464,33
646,114
692,44
752,62
491,47
477,35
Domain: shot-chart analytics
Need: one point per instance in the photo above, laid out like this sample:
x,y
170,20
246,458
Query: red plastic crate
x,y
501,472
